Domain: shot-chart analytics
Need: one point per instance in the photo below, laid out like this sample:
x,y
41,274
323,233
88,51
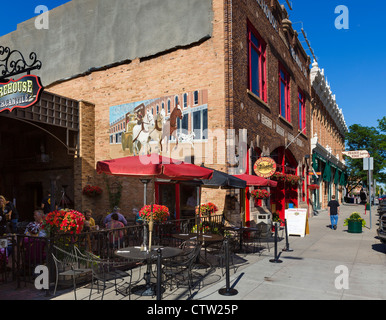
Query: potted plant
x,y
92,191
208,209
354,223
260,194
160,213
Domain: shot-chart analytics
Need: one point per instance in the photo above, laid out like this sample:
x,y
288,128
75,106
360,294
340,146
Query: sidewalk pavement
x,y
318,261
316,269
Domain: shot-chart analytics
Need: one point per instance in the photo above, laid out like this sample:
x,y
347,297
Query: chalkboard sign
x,y
296,221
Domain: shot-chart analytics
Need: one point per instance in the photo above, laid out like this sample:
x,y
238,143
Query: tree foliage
x,y
372,139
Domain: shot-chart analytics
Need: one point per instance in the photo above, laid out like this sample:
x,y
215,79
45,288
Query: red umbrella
x,y
154,165
256,181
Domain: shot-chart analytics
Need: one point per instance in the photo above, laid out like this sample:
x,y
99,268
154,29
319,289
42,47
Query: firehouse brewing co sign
x,y
21,93
264,167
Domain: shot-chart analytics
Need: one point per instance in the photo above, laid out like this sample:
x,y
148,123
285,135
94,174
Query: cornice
x,y
323,90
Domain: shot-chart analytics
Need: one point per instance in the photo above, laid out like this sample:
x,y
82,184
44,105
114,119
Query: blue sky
x,y
354,59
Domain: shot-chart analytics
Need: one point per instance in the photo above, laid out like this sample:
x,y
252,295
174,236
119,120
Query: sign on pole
x,y
368,164
357,154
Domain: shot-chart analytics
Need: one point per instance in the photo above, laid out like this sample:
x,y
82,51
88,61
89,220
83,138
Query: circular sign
x,y
264,167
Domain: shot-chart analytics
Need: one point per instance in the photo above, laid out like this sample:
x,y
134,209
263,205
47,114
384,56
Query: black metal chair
x,y
105,271
218,250
178,270
68,264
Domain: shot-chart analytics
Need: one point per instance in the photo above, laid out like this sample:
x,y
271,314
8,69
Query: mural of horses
x,y
156,132
141,134
170,126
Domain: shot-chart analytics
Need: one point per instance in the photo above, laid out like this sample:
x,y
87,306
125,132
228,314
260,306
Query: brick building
x,y
327,143
236,69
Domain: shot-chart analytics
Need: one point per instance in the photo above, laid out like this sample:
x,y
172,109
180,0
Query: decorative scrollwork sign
x,y
12,62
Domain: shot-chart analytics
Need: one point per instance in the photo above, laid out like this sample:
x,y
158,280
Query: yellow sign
x,y
264,167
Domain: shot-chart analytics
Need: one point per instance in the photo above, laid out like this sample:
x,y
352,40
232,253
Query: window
x,y
168,106
200,124
256,64
157,109
195,97
302,111
185,100
284,93
176,101
183,125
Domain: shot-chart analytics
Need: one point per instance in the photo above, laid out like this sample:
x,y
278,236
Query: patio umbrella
x,y
153,166
252,180
223,180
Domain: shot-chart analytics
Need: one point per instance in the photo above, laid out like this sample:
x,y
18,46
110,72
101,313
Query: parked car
x,y
382,220
381,198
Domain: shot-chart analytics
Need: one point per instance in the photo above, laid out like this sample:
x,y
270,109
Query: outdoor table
x,y
241,231
135,253
205,238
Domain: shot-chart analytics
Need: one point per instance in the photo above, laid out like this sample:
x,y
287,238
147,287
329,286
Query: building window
x,y
284,93
200,124
157,109
256,64
185,100
183,125
168,106
302,111
195,97
176,101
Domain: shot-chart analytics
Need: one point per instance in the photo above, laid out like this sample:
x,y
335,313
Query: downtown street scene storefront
x,y
218,112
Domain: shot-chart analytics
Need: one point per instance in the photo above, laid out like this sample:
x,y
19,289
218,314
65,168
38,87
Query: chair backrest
x,y
263,229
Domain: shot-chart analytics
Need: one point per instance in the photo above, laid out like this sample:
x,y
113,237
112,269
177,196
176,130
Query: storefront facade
x,y
235,86
327,143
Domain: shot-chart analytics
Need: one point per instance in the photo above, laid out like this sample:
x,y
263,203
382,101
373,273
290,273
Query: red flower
x,y
92,191
160,213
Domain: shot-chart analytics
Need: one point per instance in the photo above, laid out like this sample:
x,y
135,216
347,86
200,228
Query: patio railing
x,y
23,253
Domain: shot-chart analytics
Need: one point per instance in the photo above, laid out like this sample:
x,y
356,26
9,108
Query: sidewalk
x,y
306,273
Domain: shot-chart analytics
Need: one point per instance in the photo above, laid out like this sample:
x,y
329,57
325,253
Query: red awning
x,y
256,181
153,165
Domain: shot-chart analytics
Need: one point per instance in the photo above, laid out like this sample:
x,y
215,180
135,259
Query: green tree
x,y
374,141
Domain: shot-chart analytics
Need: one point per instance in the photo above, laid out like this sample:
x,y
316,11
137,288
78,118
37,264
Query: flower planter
x,y
355,227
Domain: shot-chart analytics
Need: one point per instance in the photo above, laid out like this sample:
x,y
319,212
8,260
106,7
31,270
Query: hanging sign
x,y
264,167
21,93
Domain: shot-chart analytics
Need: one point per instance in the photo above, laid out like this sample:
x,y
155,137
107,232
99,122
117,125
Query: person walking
x,y
333,210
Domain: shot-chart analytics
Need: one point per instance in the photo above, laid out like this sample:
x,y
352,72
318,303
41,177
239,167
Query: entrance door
x,y
33,195
167,197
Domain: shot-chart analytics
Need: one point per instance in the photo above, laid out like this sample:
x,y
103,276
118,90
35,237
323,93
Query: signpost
x,y
368,165
357,154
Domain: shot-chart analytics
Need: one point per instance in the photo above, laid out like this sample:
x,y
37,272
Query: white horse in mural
x,y
156,132
141,134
